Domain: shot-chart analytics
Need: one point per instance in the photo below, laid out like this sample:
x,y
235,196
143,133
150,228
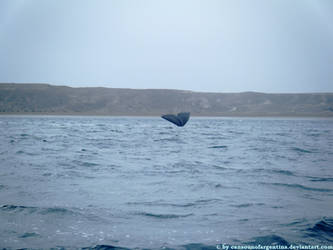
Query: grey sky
x,y
220,46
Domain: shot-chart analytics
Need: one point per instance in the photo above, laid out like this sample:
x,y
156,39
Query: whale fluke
x,y
180,119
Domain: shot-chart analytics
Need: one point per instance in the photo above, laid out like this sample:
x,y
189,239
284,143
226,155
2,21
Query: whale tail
x,y
180,119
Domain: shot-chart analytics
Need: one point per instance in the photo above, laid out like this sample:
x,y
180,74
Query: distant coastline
x,y
3,114
45,99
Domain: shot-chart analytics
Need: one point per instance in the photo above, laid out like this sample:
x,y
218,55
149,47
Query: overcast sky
x,y
208,45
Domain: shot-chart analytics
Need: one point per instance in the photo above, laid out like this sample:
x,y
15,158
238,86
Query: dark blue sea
x,y
102,182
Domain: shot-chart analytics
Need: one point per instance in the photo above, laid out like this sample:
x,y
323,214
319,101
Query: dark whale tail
x,y
180,119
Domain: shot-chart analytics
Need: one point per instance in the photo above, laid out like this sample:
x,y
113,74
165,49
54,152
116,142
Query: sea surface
x,y
131,182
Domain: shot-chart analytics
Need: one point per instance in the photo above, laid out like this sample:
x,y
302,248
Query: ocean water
x,y
98,182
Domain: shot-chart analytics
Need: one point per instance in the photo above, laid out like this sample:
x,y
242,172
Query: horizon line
x,y
183,90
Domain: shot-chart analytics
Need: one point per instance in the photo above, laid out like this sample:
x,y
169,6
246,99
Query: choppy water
x,y
141,182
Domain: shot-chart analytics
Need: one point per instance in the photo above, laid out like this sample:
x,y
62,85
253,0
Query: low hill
x,y
49,99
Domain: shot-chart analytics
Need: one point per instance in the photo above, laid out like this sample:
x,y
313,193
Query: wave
x,y
163,204
322,230
85,163
164,133
39,210
21,152
301,150
210,185
205,201
323,226
221,146
298,186
190,246
296,222
282,172
165,216
56,210
198,246
247,205
14,208
274,171
29,235
282,134
172,139
320,179
105,247
268,240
